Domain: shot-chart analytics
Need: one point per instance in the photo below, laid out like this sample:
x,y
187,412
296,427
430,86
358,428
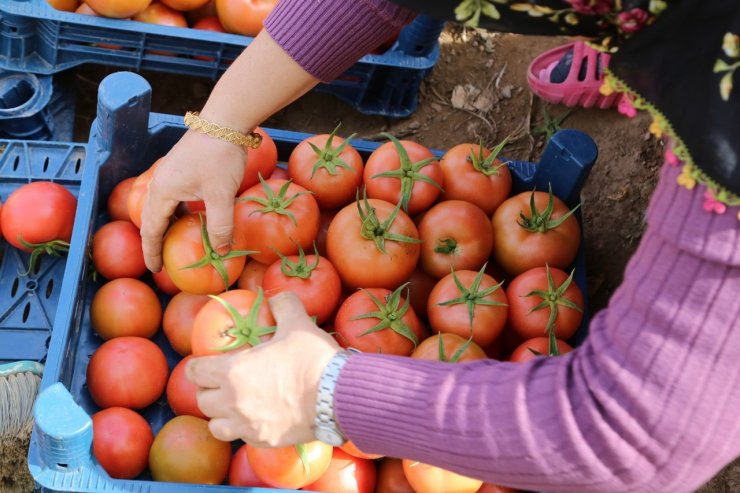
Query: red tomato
x,y
186,247
119,9
352,449
178,319
185,4
523,239
184,451
138,192
474,174
420,285
128,372
346,474
524,353
312,278
325,220
449,306
416,179
284,467
118,199
216,329
424,478
125,307
164,282
391,478
260,162
252,275
455,235
64,5
244,16
116,251
329,167
241,473
121,441
400,329
450,348
38,213
275,216
161,14
364,245
181,392
494,488
280,173
539,301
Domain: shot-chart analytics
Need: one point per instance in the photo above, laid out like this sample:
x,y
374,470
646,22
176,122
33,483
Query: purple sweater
x,y
649,403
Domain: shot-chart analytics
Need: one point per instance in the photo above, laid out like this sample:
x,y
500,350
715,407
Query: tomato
x,y
128,372
352,449
329,167
450,348
207,10
184,451
241,473
252,275
280,173
184,4
275,216
121,441
64,5
424,478
191,262
541,345
543,298
125,307
117,252
138,192
373,244
494,488
310,277
415,179
283,467
223,324
475,174
178,319
181,392
119,9
37,214
164,282
364,312
420,285
450,307
118,200
527,236
455,235
260,162
391,478
244,16
346,474
325,220
161,14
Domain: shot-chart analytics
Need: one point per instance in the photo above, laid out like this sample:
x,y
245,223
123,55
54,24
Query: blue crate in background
x,y
28,303
38,39
125,139
36,107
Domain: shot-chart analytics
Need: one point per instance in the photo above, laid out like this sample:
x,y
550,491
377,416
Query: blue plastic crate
x,y
36,107
28,303
36,38
125,139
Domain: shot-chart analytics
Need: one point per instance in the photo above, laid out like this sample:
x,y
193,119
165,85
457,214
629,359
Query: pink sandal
x,y
572,91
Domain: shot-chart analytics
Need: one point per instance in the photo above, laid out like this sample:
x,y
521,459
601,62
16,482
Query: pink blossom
x,y
591,7
632,20
671,158
711,204
626,108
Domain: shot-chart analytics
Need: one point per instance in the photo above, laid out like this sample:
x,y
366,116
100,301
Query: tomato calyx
x,y
552,346
487,165
447,246
553,297
473,295
212,257
456,355
542,222
275,203
55,248
299,268
300,449
372,229
246,330
408,172
328,157
390,315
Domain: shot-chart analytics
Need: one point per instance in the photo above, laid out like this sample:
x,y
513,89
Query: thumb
x,y
289,313
220,220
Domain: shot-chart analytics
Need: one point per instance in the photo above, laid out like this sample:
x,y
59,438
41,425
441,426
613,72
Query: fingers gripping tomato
x,y
138,191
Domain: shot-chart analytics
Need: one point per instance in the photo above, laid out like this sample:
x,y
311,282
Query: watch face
x,y
329,437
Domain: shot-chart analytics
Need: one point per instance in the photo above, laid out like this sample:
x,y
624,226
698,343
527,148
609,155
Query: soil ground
x,y
478,90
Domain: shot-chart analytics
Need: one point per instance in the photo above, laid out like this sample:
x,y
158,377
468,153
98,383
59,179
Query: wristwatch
x,y
325,427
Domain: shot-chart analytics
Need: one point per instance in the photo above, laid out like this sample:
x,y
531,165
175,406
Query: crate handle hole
x,y
31,285
78,165
13,29
26,311
49,288
16,162
14,287
46,164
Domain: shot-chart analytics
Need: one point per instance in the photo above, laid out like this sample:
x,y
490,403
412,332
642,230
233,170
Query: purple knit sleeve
x,y
326,37
649,402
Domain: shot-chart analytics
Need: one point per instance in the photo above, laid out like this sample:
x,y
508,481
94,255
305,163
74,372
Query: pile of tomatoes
x,y
402,253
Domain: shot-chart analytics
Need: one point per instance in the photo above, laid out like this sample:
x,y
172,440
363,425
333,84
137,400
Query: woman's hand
x,y
266,395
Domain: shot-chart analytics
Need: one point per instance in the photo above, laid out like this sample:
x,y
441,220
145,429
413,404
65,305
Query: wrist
x,y
325,425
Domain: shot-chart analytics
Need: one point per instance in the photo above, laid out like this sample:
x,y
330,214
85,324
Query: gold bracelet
x,y
198,124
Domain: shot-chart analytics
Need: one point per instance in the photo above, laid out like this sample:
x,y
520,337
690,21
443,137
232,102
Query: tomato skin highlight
x,y
117,251
346,474
121,442
125,307
282,467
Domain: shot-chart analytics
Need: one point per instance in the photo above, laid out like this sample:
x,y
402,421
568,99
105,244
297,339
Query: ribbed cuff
x,y
326,37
